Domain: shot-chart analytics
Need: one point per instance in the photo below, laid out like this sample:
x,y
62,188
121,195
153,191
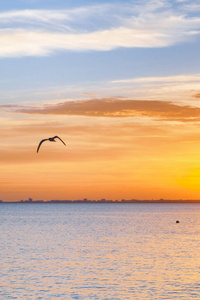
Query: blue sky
x,y
52,50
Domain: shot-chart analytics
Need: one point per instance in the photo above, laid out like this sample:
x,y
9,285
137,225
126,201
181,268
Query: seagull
x,y
51,139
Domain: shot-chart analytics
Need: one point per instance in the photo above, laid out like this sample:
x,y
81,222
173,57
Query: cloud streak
x,y
116,108
94,28
178,88
165,79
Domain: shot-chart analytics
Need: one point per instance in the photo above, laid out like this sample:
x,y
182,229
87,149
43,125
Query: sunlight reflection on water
x,y
99,251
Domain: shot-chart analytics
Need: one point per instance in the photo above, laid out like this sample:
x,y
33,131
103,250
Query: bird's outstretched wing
x,y
57,137
41,144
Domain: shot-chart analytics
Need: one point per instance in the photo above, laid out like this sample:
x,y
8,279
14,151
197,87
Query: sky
x,y
118,81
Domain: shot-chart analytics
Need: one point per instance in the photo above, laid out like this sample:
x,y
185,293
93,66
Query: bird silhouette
x,y
51,139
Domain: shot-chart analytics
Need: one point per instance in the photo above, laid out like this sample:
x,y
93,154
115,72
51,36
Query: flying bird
x,y
51,139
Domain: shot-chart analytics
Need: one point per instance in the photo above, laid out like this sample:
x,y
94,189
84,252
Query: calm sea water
x,y
99,251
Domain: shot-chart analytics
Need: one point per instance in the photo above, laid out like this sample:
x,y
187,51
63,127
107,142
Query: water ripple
x,y
103,251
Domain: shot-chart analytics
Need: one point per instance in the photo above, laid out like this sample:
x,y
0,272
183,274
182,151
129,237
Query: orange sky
x,y
115,149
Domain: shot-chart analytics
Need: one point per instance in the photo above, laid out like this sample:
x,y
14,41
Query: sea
x,y
99,251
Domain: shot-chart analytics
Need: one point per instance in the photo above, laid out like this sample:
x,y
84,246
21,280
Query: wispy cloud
x,y
164,79
98,28
196,96
117,108
27,16
179,88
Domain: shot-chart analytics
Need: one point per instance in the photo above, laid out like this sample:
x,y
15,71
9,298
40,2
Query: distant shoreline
x,y
163,201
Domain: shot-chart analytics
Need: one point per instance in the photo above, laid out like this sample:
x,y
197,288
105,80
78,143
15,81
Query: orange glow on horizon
x,y
112,158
